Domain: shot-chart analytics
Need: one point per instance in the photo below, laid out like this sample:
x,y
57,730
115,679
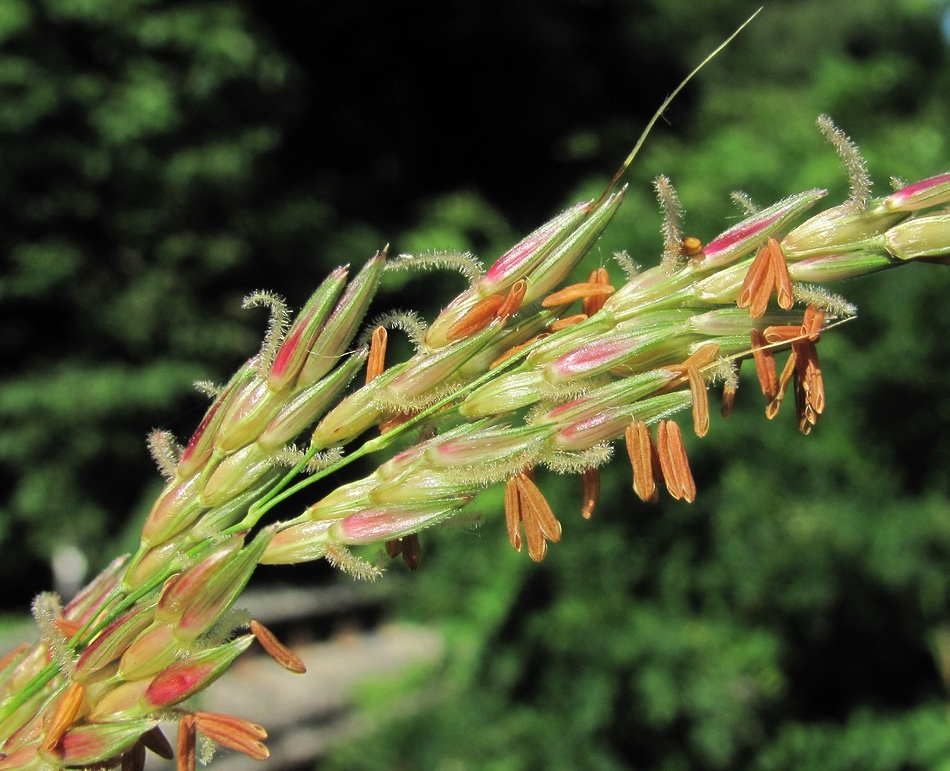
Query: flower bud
x,y
388,522
610,401
920,237
632,349
247,415
153,562
352,416
153,650
197,600
201,444
221,517
85,604
837,230
517,263
928,192
187,677
307,406
123,702
564,256
521,259
343,500
343,323
86,745
424,373
235,474
590,424
416,486
300,337
835,267
176,508
113,641
509,392
749,234
500,444
300,542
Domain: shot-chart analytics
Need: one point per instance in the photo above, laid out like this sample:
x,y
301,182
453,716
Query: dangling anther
x,y
768,271
525,505
811,324
187,742
133,759
788,371
233,732
764,365
673,461
590,491
276,649
692,368
408,546
158,743
810,389
700,399
757,285
783,333
644,460
783,281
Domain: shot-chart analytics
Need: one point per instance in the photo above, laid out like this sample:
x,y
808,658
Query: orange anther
x,y
764,365
697,388
703,356
276,649
782,333
728,398
590,491
783,281
513,513
525,505
64,715
772,408
590,305
566,322
811,324
576,292
673,461
234,733
644,460
476,319
186,743
691,246
757,285
513,300
376,362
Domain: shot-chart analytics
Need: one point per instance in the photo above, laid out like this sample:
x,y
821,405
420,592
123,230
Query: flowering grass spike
x,y
519,373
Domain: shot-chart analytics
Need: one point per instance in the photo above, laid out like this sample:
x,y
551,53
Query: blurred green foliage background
x,y
161,159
